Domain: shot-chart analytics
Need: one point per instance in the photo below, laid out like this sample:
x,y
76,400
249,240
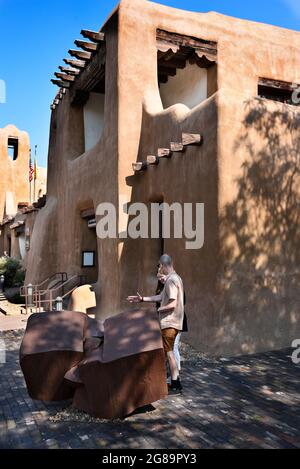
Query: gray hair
x,y
166,260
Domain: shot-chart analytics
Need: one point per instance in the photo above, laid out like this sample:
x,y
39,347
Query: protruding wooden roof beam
x,y
165,70
61,84
173,62
64,76
191,139
280,85
93,36
164,153
80,54
69,70
174,39
140,166
152,159
79,64
87,46
176,147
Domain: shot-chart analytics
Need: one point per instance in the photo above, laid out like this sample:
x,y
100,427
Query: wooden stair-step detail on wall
x,y
188,139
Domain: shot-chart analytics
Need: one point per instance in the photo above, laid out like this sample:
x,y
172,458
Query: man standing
x,y
171,314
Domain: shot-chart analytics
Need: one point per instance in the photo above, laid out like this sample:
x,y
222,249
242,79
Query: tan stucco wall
x,y
5,237
14,174
30,219
40,184
14,184
233,306
92,178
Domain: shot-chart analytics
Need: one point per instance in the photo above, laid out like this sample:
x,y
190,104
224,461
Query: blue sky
x,y
35,36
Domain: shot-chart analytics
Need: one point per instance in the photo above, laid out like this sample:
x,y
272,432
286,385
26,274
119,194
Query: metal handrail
x,y
38,294
62,285
74,288
64,277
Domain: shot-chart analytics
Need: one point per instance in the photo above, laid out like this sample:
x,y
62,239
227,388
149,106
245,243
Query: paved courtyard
x,y
248,402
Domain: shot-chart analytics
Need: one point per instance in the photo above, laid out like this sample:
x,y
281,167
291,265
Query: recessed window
x,y
93,113
186,67
13,148
276,90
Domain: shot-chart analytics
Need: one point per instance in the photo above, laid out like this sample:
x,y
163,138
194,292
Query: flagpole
x,y
34,175
30,195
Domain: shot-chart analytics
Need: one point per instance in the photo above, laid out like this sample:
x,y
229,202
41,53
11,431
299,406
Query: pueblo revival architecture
x,y
165,105
17,213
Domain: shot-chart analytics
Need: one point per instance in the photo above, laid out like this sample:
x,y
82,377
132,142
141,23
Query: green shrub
x,y
13,272
19,278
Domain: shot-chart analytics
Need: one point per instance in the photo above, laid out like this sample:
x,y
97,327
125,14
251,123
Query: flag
x,y
31,170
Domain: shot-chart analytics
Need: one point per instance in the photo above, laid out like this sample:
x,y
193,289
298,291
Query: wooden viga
x,y
188,139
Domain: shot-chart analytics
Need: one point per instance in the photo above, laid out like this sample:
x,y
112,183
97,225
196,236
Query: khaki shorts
x,y
168,336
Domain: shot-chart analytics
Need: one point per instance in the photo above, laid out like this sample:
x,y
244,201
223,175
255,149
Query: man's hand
x,y
135,299
162,278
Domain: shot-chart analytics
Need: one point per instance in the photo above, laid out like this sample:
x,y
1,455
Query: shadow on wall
x,y
260,231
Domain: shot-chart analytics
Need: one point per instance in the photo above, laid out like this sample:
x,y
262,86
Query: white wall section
x,y
188,87
93,119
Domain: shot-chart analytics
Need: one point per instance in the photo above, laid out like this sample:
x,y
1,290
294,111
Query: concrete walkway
x,y
15,322
249,402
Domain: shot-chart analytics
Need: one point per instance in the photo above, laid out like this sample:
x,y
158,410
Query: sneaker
x,y
174,392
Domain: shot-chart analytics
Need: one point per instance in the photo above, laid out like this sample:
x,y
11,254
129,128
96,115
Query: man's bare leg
x,y
173,366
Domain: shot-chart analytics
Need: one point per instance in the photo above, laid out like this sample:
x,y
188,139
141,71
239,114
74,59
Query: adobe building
x,y
15,201
133,96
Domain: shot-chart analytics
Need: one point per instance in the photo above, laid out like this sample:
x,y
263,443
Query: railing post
x,y
59,304
26,299
2,280
30,295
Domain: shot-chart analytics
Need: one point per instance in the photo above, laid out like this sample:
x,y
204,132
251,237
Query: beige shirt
x,y
173,290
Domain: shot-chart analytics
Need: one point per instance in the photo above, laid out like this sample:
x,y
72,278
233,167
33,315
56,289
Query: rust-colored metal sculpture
x,y
109,369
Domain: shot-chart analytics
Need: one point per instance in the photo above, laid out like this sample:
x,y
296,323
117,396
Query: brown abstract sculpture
x,y
52,344
110,369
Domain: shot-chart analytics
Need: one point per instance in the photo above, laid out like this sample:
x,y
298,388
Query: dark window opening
x,y
9,246
13,148
276,90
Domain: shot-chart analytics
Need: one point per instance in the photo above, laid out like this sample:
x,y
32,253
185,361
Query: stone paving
x,y
247,402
